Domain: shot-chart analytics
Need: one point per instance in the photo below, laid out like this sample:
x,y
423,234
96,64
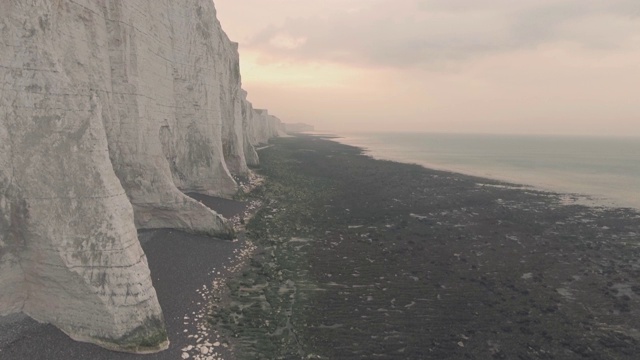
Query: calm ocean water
x,y
606,169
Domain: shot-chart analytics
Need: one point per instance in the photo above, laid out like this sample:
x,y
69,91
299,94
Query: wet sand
x,y
183,268
363,259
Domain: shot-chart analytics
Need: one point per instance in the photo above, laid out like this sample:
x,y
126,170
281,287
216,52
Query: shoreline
x,y
575,196
361,258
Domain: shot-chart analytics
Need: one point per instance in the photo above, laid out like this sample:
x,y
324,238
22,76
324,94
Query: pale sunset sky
x,y
475,66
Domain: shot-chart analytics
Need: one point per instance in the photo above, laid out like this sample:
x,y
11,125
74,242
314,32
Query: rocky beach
x,y
349,257
360,258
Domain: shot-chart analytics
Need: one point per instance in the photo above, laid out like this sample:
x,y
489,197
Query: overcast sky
x,y
490,66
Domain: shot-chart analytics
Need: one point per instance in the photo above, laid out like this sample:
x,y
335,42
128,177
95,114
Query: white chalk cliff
x,y
264,126
109,111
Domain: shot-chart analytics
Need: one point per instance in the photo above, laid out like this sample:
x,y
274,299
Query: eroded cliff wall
x,y
156,52
247,114
263,127
69,252
203,80
108,109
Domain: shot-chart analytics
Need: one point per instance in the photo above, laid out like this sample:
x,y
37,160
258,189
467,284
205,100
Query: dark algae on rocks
x,y
363,259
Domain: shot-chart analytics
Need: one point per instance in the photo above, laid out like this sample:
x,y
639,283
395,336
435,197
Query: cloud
x,y
403,33
286,41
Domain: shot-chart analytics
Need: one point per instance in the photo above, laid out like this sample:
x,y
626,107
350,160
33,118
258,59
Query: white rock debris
x,y
207,339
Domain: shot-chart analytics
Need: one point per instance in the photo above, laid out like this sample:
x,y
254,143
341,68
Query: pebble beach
x,y
361,259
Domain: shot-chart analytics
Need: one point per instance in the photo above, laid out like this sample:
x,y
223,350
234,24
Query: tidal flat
x,y
362,259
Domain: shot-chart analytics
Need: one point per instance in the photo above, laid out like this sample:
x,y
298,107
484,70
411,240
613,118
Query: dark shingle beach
x,y
365,259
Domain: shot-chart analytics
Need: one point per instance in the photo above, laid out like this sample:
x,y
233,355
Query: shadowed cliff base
x,y
183,266
360,258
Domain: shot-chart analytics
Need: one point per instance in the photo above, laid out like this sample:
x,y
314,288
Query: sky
x,y
473,66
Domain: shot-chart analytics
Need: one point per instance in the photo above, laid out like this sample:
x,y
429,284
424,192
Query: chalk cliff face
x,y
69,252
264,126
247,113
165,106
108,109
206,80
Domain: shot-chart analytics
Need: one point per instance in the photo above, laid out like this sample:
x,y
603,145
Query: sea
x,y
599,171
